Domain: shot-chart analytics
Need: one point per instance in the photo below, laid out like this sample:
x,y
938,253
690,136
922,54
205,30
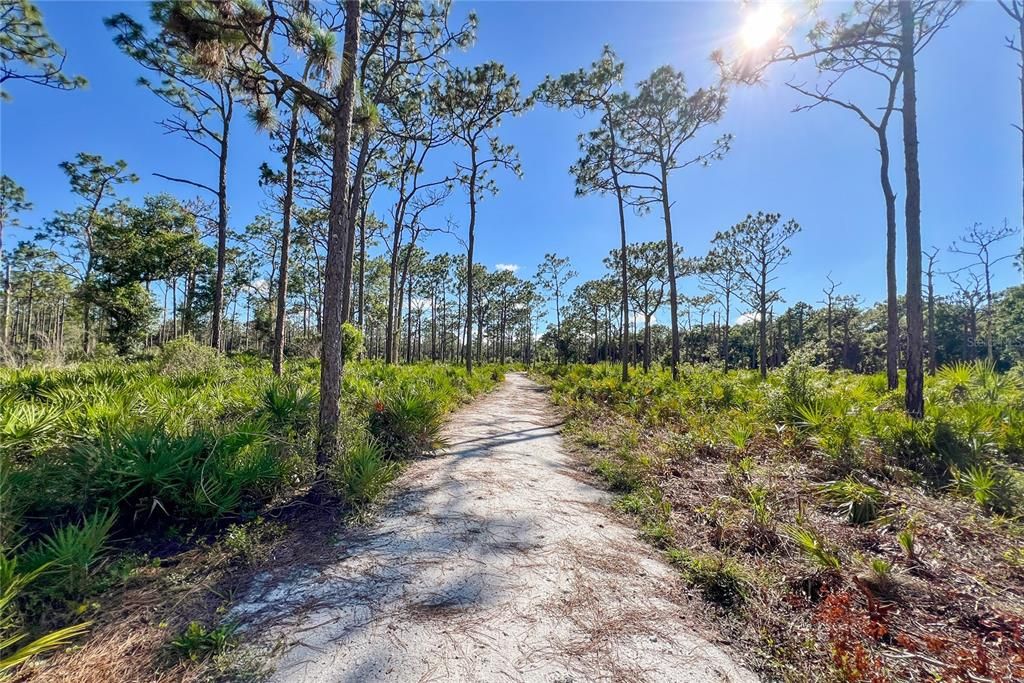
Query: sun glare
x,y
762,25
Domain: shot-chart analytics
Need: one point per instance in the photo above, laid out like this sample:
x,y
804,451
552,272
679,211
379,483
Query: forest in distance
x,y
186,397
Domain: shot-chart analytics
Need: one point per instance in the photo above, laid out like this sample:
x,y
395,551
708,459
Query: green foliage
x,y
858,501
15,646
198,643
991,487
249,541
184,359
813,547
351,342
407,421
27,52
908,542
721,579
289,406
362,472
146,470
71,553
25,427
740,435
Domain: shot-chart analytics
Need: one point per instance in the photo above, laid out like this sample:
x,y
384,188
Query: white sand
x,y
494,562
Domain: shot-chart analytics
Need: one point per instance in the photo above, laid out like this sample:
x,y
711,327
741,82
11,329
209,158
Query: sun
x,y
762,25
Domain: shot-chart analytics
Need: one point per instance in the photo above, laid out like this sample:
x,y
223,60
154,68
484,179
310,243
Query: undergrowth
x,y
106,461
823,525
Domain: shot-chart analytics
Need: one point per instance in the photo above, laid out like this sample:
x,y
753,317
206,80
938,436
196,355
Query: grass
x,y
823,524
182,456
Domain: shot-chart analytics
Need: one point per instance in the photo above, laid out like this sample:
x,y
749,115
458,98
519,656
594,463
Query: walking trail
x,y
494,562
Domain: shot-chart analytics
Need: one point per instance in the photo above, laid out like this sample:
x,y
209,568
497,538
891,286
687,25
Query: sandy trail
x,y
494,562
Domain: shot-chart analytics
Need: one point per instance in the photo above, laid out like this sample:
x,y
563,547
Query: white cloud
x,y
510,267
745,318
261,286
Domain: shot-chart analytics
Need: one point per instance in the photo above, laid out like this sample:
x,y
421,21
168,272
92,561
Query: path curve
x,y
494,562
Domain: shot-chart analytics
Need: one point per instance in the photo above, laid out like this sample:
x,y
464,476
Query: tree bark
x,y
762,337
666,206
5,324
725,339
222,231
331,360
624,340
892,313
362,268
469,258
932,362
286,237
915,369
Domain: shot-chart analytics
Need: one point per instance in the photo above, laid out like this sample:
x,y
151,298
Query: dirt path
x,y
493,563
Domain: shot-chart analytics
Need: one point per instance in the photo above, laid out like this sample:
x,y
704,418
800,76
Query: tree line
x,y
737,315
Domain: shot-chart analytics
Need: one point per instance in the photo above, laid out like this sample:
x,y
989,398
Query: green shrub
x,y
621,475
198,643
351,342
362,472
71,553
185,360
859,502
27,429
813,547
15,648
144,470
250,541
990,487
289,406
720,579
408,421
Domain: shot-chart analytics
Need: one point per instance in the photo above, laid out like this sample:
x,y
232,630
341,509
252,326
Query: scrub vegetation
x,y
113,471
826,530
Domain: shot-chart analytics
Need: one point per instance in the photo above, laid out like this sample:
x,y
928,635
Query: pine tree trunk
x,y
725,339
624,340
673,297
331,361
915,322
286,237
469,259
762,340
5,324
362,268
892,313
932,362
222,232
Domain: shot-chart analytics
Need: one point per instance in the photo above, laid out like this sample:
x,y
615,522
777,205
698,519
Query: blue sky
x,y
819,167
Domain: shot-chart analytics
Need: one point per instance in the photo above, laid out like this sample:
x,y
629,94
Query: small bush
x,y
362,473
71,553
15,650
859,502
351,342
249,542
184,359
813,547
990,488
621,476
198,643
408,422
288,406
908,542
720,579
